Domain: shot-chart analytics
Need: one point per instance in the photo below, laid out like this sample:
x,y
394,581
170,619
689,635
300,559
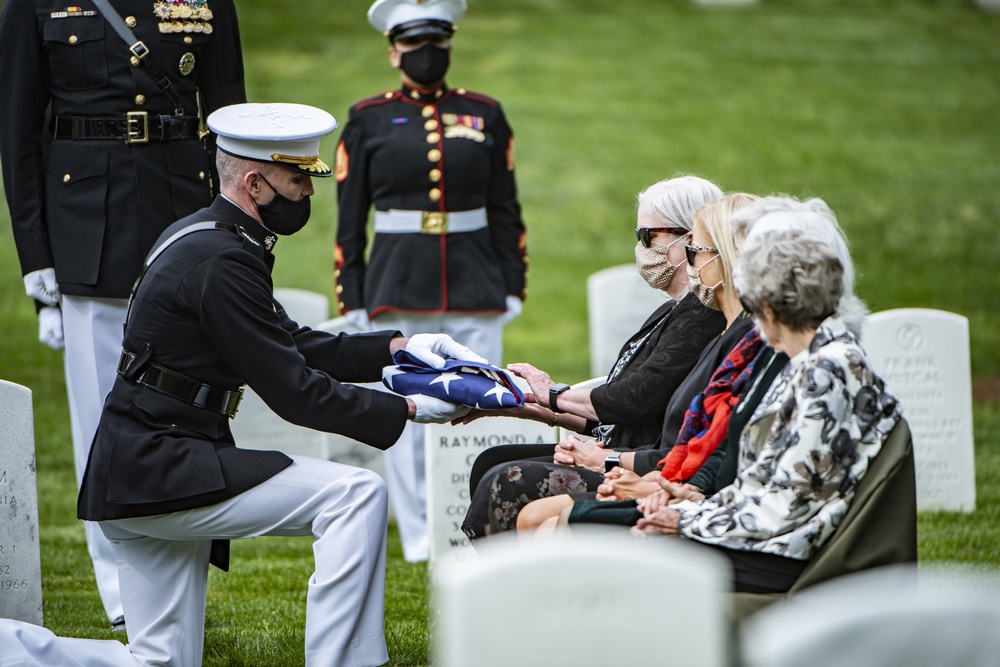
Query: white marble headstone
x,y
618,302
587,600
20,562
450,453
923,355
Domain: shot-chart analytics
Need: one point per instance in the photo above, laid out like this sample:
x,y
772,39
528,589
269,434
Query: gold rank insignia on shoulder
x,y
186,65
72,11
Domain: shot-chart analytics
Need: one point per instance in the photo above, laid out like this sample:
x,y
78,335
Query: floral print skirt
x,y
508,487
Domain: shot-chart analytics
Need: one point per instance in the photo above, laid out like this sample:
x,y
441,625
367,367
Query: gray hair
x,y
812,216
674,201
232,168
795,273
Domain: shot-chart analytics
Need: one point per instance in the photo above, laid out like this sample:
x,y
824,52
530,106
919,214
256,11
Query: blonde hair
x,y
714,217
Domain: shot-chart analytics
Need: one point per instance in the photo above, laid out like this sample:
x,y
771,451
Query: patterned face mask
x,y
653,265
704,293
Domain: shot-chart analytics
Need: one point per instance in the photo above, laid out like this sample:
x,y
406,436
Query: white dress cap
x,y
385,15
287,134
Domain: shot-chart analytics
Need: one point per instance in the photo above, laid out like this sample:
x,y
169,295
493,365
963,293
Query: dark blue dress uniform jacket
x,y
207,310
448,150
93,208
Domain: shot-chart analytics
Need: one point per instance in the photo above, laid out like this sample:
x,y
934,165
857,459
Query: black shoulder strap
x,y
158,250
140,51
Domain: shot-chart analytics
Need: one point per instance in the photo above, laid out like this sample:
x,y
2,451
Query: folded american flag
x,y
471,383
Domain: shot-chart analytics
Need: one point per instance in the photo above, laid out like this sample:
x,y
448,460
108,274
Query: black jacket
x,y
636,399
446,150
93,208
714,354
206,308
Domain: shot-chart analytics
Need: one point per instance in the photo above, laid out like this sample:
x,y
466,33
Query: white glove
x,y
42,285
433,348
358,319
514,308
50,328
432,410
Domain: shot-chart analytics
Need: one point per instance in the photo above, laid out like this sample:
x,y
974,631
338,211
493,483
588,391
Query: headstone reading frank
x,y
20,563
450,453
923,355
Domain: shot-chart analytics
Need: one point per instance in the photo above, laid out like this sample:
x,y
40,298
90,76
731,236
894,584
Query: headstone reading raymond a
x,y
450,452
923,355
20,563
618,302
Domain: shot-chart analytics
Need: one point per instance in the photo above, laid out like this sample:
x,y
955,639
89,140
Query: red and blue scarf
x,y
706,423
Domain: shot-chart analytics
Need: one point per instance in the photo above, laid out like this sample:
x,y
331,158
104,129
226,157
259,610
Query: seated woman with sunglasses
x,y
809,443
628,409
710,389
700,424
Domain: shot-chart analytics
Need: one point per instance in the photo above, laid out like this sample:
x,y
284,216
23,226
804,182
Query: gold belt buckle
x,y
136,127
434,222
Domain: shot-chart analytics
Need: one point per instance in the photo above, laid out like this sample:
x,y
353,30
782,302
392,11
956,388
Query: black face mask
x,y
282,215
426,65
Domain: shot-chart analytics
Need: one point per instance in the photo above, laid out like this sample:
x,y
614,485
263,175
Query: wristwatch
x,y
554,392
612,460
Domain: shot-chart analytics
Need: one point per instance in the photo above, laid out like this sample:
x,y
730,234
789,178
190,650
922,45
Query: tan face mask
x,y
704,293
653,265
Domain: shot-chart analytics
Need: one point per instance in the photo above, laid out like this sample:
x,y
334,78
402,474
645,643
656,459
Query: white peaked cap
x,y
385,15
287,134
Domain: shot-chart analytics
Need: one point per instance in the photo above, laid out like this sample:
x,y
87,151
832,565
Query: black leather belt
x,y
182,387
135,127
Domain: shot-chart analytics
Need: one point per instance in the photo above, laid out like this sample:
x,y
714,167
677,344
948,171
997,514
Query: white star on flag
x,y
388,372
446,379
498,391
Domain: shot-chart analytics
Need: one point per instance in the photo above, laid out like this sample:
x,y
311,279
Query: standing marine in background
x,y
437,165
100,141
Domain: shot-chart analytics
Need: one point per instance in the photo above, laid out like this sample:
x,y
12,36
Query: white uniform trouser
x,y
93,334
404,461
163,565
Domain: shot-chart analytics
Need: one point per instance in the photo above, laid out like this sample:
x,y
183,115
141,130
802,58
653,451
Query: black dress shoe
x,y
118,625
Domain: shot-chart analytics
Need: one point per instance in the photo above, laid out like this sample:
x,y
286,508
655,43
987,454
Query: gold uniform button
x,y
340,288
435,175
414,94
140,99
201,175
433,138
431,125
427,111
188,39
461,91
66,178
73,39
434,194
434,155
438,94
134,61
130,21
340,306
388,95
336,273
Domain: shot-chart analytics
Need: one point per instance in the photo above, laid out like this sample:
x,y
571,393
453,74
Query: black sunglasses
x,y
693,250
642,233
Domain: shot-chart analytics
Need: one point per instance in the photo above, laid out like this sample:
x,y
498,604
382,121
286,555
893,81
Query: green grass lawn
x,y
887,110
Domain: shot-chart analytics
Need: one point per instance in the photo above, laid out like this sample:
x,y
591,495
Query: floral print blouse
x,y
831,414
